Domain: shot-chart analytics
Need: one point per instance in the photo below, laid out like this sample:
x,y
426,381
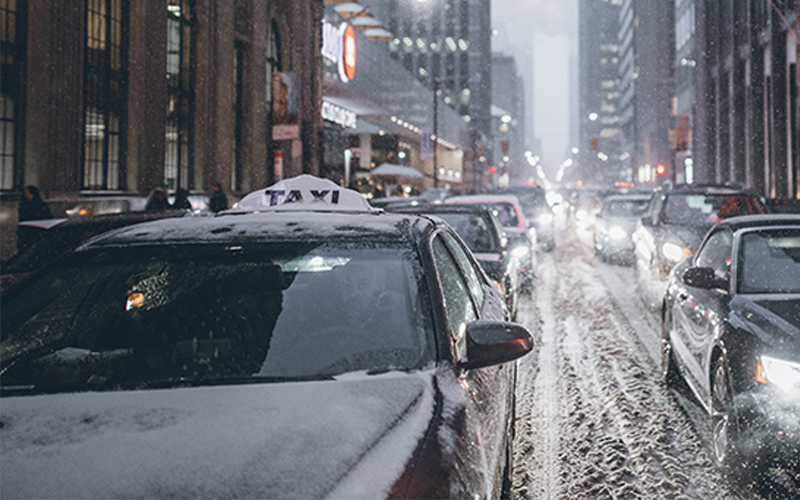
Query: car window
x,y
625,208
274,310
506,214
458,307
716,253
473,229
471,273
769,262
699,209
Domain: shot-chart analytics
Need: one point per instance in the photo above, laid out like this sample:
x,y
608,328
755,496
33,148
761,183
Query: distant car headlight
x,y
520,251
777,372
546,218
617,233
674,252
580,214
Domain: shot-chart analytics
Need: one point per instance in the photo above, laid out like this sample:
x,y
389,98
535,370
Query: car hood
x,y
345,438
626,223
775,320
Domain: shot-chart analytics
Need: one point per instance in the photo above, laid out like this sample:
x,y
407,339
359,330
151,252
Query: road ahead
x,y
593,418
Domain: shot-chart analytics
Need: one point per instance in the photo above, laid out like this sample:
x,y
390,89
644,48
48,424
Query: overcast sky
x,y
542,34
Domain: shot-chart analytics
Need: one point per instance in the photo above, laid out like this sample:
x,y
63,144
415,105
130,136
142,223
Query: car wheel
x,y
669,371
724,426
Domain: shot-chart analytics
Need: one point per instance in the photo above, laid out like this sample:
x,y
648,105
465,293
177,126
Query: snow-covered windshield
x,y
770,262
138,314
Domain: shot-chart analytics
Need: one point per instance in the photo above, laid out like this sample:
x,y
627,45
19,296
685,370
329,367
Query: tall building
x,y
447,44
601,141
508,118
745,127
107,99
646,73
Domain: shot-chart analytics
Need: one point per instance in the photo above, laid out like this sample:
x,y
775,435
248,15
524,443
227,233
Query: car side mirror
x,y
703,277
494,342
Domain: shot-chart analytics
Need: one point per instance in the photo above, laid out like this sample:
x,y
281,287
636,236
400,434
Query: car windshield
x,y
137,315
769,262
473,229
625,208
700,209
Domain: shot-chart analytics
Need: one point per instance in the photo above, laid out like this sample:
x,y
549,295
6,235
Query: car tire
x,y
724,422
669,369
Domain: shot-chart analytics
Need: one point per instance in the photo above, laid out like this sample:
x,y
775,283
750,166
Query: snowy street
x,y
594,420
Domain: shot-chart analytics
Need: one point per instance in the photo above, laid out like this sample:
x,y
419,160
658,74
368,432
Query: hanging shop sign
x,y
338,115
339,46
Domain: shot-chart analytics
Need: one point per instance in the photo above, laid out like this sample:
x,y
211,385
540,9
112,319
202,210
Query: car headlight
x,y
520,251
617,233
777,372
674,252
545,218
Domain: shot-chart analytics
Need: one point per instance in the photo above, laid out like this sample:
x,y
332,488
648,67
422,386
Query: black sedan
x,y
319,348
731,329
677,219
485,237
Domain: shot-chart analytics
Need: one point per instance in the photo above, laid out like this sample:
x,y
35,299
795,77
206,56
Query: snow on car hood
x,y
287,440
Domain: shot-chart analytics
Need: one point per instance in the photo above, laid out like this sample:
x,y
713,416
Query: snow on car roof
x,y
261,227
304,193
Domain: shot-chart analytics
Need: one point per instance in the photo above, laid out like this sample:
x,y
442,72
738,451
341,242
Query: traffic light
x,y
504,146
593,143
661,169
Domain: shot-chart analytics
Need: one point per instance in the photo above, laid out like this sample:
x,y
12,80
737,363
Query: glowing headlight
x,y
674,252
617,233
580,214
783,374
520,251
545,218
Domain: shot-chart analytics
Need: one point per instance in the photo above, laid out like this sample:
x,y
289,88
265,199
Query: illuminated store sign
x,y
338,115
339,46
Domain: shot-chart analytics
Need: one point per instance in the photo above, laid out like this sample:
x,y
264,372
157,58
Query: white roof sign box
x,y
304,193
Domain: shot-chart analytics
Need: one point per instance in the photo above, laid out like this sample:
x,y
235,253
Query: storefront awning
x,y
391,169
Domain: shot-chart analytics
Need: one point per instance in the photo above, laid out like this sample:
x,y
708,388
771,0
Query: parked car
x,y
485,237
522,235
677,219
614,225
538,212
299,345
52,238
731,329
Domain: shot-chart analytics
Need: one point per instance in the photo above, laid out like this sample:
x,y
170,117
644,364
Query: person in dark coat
x,y
182,199
31,207
218,201
157,200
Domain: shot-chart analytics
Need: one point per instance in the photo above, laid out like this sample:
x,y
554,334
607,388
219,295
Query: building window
x,y
180,100
11,95
104,95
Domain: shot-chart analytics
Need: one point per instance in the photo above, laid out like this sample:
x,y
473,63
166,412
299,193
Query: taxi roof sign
x,y
304,193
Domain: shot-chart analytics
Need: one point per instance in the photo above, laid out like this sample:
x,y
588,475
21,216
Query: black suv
x,y
678,218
